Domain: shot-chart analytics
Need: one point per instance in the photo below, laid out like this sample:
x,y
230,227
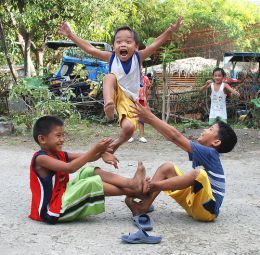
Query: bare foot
x,y
136,183
146,186
109,109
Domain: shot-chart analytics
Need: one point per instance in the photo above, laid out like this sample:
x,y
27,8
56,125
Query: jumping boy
x,y
201,191
121,86
54,197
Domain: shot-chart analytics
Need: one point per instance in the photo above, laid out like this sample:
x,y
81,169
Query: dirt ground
x,y
236,231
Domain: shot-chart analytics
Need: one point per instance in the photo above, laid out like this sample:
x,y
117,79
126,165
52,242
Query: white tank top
x,y
218,103
128,74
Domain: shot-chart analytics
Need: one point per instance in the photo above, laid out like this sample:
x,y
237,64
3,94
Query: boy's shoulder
x,y
200,148
61,155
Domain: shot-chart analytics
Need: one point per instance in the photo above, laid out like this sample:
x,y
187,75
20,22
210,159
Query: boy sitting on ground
x,y
201,191
54,197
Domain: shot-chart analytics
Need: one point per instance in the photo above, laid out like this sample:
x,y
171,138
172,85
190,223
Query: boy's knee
x,y
195,173
127,125
168,168
168,165
129,129
108,78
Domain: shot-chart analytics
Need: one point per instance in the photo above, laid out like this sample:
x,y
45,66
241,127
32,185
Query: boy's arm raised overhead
x,y
169,132
160,40
66,30
75,164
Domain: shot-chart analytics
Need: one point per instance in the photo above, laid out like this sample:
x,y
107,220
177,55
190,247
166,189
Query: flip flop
x,y
141,237
143,222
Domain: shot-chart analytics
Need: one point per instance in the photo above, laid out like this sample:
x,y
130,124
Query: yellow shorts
x,y
193,202
122,104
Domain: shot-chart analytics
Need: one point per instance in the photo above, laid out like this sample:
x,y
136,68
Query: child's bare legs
x,y
141,129
127,130
130,185
165,178
109,86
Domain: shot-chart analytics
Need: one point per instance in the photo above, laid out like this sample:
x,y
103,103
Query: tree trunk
x,y
39,60
164,91
168,109
27,51
8,59
30,63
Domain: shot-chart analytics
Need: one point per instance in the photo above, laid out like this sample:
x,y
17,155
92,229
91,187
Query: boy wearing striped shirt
x,y
200,191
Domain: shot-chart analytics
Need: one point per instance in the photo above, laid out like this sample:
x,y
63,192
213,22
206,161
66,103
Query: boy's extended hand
x,y
235,92
208,83
175,27
142,112
65,29
110,158
101,147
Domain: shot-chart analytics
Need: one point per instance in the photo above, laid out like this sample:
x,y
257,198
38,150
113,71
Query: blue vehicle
x,y
81,72
73,56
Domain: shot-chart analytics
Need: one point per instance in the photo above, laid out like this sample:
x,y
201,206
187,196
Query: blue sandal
x,y
141,237
143,222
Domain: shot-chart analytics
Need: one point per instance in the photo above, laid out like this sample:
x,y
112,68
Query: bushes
x,y
39,101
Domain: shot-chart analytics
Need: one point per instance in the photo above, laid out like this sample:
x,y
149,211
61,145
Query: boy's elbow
x,y
69,169
174,137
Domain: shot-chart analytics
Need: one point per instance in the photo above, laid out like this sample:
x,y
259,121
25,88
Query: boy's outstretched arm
x,y
169,132
160,40
231,90
206,86
66,30
93,154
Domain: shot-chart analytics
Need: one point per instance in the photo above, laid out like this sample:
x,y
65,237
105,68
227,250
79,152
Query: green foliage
x,y
196,124
203,76
98,19
40,101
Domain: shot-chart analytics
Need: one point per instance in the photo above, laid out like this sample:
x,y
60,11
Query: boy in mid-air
x,y
54,197
200,191
121,86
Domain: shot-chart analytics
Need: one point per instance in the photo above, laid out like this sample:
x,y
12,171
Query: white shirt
x,y
129,77
218,102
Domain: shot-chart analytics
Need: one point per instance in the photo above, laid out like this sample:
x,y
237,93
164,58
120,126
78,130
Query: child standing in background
x,y
143,95
219,92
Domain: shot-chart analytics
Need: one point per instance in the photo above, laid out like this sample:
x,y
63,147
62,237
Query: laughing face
x,y
125,45
218,77
54,140
209,137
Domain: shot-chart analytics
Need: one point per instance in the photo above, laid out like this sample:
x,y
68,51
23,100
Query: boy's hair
x,y
218,69
135,36
44,125
227,136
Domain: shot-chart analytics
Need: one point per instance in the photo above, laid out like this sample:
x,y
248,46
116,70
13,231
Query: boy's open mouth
x,y
123,53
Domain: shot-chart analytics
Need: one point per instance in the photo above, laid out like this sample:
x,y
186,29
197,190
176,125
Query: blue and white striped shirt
x,y
209,158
